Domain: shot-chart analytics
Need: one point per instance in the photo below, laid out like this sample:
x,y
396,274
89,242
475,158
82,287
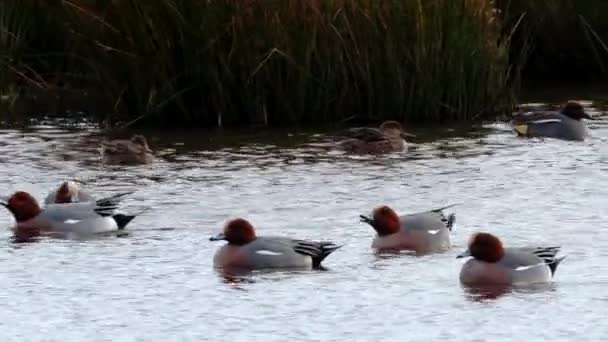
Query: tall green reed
x,y
292,61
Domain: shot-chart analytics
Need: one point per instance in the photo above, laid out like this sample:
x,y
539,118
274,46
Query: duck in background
x,y
387,138
127,151
566,124
68,192
422,232
492,264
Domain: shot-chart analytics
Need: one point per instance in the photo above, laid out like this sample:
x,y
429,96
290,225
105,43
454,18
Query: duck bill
x,y
218,237
368,220
407,135
587,116
464,254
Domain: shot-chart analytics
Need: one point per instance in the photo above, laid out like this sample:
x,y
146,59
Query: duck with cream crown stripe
x,y
71,218
389,137
423,232
566,124
492,264
68,192
246,250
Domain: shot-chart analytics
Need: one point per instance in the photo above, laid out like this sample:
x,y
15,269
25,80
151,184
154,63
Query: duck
x,y
565,124
387,138
68,192
127,151
422,232
492,264
247,251
72,218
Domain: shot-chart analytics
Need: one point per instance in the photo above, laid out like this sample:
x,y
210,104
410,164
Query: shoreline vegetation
x,y
240,62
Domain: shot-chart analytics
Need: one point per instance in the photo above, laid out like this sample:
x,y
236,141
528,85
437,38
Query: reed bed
x,y
568,38
224,62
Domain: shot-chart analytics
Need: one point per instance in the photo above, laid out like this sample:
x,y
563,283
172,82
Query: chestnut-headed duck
x,y
492,264
389,137
422,232
564,124
246,251
72,218
127,151
68,192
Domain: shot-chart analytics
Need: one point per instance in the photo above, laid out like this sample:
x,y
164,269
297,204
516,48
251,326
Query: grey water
x,y
157,282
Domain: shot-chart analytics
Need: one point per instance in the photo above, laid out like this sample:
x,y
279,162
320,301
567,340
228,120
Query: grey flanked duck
x,y
422,232
68,192
127,151
247,251
389,137
566,124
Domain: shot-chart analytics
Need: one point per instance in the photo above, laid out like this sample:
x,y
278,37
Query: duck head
x,y
575,110
141,141
22,205
485,247
237,232
67,193
384,220
394,129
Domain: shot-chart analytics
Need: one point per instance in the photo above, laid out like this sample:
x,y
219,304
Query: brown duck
x,y
389,137
127,151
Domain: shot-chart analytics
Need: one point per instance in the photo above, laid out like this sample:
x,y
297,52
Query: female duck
x,y
245,250
566,124
77,218
131,151
423,232
389,137
492,264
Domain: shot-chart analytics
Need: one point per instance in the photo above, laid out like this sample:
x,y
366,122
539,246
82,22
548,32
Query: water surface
x,y
157,283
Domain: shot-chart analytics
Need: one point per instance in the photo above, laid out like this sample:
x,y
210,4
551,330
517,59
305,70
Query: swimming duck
x,y
123,151
246,250
565,124
422,232
389,137
492,264
68,192
78,218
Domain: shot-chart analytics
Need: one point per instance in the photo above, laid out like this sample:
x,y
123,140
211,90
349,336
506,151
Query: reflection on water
x,y
158,280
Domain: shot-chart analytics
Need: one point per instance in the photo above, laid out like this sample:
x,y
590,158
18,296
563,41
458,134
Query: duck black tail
x,y
318,251
326,249
554,264
122,220
451,221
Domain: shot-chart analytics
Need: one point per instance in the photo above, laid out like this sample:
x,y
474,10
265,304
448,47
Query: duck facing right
x,y
565,124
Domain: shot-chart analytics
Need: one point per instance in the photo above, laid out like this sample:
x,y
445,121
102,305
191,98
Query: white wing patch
x,y
70,221
267,252
523,268
433,232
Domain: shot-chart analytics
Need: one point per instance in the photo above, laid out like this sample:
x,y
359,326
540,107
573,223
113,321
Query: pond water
x,y
157,283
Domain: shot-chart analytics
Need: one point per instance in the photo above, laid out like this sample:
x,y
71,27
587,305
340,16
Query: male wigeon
x,y
247,251
73,218
422,232
389,137
68,192
492,264
127,151
565,124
